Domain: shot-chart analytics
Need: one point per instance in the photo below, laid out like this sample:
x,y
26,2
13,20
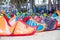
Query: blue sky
x,y
39,2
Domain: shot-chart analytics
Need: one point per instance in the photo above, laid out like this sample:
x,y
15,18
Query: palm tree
x,y
18,3
49,3
44,1
32,2
58,1
54,4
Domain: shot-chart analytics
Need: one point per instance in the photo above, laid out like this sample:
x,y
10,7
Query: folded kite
x,y
23,29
